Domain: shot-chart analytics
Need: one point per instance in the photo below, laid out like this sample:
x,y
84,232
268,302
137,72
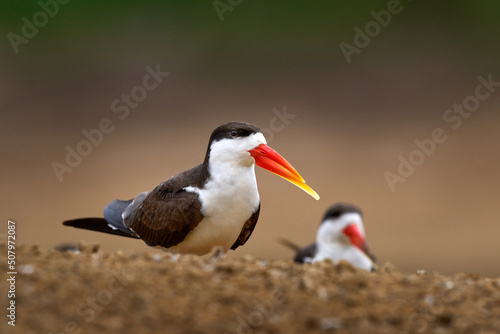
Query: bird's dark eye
x,y
234,132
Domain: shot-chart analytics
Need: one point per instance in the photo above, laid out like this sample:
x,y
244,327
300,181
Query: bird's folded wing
x,y
166,216
306,254
247,230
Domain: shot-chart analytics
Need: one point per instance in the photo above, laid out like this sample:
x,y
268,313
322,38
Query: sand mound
x,y
91,291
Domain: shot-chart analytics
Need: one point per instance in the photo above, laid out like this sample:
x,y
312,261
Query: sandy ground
x,y
95,291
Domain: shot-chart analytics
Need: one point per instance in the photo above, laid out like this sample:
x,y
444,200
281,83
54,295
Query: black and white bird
x,y
341,236
213,204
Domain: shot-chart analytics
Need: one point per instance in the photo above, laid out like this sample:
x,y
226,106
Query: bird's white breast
x,y
337,252
228,200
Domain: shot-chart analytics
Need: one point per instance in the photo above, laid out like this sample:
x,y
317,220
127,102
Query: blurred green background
x,y
352,120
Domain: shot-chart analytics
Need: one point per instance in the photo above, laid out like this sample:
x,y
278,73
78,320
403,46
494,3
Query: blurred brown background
x,y
352,120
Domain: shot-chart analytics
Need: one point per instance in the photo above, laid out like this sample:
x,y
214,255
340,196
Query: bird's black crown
x,y
337,210
233,130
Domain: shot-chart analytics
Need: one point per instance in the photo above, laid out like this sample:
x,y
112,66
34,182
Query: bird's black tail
x,y
99,225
